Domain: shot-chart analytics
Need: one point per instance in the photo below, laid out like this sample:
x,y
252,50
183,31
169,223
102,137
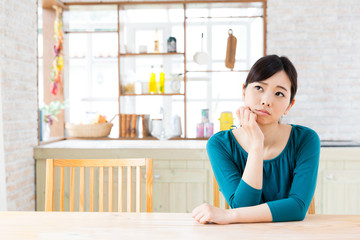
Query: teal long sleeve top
x,y
289,180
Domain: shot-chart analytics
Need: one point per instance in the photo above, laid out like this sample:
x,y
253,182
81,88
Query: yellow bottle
x,y
226,120
152,82
162,81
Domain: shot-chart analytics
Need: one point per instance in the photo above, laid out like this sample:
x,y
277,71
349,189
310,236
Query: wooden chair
x,y
311,209
217,194
100,163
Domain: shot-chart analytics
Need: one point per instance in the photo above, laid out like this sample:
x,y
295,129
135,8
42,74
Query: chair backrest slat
x,y
216,193
138,190
82,189
149,187
311,209
53,190
91,189
62,176
49,188
110,190
129,188
120,189
101,189
82,179
72,188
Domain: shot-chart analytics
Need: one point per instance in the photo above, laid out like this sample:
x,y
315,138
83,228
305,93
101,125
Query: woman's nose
x,y
265,102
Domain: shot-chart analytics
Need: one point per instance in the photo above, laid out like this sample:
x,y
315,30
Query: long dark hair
x,y
267,66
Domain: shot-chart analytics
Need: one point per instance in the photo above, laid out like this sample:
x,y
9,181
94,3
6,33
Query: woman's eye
x,y
258,88
279,94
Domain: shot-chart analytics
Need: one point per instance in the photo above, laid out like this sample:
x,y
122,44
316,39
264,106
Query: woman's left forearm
x,y
258,213
206,213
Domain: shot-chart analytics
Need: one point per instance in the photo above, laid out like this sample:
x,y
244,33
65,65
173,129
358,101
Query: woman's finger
x,y
204,219
238,113
199,216
241,110
246,116
195,211
252,117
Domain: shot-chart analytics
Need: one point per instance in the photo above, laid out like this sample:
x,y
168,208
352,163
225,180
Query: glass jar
x,y
171,45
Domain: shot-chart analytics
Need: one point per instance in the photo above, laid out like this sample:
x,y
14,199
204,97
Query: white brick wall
x,y
18,61
322,38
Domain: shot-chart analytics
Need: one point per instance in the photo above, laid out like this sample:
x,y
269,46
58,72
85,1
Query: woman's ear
x,y
290,106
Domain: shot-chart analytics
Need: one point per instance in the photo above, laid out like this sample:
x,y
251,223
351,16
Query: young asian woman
x,y
266,170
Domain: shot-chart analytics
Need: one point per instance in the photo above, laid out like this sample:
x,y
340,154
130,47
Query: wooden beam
x,y
122,2
51,3
49,16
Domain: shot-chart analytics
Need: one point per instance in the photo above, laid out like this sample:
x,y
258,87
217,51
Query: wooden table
x,y
87,226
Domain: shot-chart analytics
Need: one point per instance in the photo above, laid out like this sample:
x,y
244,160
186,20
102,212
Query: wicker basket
x,y
89,130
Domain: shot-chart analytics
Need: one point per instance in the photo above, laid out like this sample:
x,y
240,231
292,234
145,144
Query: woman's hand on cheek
x,y
206,213
248,122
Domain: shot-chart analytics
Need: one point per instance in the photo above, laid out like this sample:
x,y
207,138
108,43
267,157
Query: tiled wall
x,y
321,37
18,46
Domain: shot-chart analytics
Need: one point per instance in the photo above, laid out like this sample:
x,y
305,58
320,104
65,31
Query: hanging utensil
x,y
201,57
231,50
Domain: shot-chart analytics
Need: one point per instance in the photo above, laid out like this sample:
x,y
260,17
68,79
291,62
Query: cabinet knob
x,y
330,177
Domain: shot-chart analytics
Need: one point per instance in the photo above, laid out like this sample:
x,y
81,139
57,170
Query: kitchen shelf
x,y
130,138
224,17
217,71
94,31
162,57
149,54
153,94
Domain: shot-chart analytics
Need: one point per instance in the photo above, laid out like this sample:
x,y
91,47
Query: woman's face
x,y
269,99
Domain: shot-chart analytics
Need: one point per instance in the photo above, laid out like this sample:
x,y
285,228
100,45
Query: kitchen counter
x,y
183,149
339,143
110,147
151,144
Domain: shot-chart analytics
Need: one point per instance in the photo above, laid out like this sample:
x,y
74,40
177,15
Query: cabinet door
x,y
180,187
341,191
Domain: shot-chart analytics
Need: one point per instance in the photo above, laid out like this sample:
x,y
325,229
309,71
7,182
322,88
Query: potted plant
x,y
49,115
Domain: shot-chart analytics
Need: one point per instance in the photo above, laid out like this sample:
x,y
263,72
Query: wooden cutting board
x,y
230,50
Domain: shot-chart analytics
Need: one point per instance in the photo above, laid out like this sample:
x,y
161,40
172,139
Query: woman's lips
x,y
262,112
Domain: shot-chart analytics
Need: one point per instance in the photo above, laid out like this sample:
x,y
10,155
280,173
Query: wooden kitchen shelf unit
x,y
185,5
